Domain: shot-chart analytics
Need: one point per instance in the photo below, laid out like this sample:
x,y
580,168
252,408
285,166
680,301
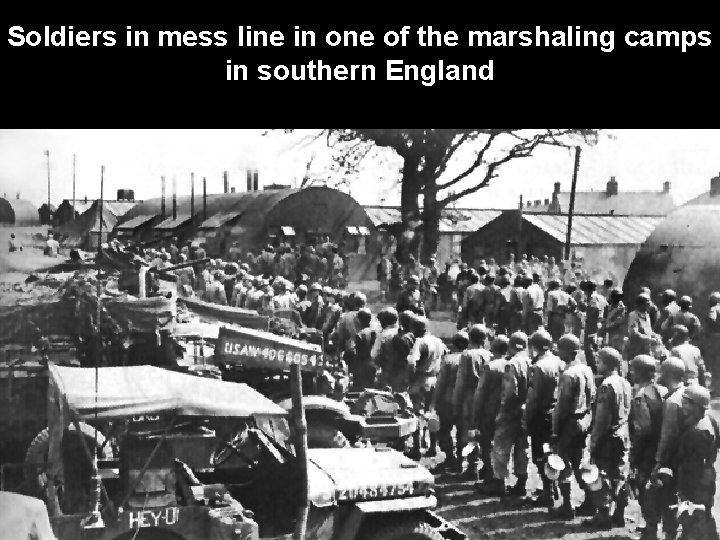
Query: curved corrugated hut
x,y
18,212
682,253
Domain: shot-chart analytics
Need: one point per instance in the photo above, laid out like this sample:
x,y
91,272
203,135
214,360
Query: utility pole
x,y
47,154
192,196
571,209
73,212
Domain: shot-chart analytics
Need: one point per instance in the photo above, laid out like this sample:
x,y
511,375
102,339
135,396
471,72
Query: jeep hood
x,y
361,474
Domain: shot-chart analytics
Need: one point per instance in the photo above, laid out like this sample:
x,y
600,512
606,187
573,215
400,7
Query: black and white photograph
x,y
359,334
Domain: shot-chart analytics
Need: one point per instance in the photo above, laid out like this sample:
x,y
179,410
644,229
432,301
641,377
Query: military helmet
x,y
680,331
387,316
360,300
616,292
420,325
569,342
316,287
715,297
406,318
674,367
500,344
364,315
302,287
461,340
610,356
669,294
478,333
698,395
642,298
685,302
553,283
518,341
413,280
644,364
541,339
328,290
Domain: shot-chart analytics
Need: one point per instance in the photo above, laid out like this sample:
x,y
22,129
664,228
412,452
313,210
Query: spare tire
x,y
37,454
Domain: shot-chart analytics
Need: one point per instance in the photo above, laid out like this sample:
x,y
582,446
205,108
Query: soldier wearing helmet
x,y
571,419
594,313
443,403
641,337
534,303
543,378
614,326
610,440
712,335
510,437
696,456
689,354
382,351
489,300
557,305
472,302
471,363
424,364
364,368
486,400
311,314
645,423
684,317
410,298
669,307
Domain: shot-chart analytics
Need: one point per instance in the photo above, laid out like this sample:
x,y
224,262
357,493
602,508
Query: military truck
x,y
202,458
335,418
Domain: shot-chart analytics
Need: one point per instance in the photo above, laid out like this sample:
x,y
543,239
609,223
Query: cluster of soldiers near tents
x,y
603,386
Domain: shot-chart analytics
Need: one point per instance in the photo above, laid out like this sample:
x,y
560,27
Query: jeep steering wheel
x,y
227,448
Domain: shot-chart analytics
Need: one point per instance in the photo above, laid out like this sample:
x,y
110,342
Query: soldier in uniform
x,y
424,364
645,424
517,303
684,317
662,495
571,420
410,298
610,441
689,354
640,334
594,312
712,335
382,352
669,308
443,403
510,437
489,300
557,305
615,324
364,369
696,464
396,358
472,361
542,382
486,400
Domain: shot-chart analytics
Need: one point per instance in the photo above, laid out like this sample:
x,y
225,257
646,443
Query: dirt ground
x,y
31,258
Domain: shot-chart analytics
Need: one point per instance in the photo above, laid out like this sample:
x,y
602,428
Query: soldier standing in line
x,y
615,325
382,351
558,302
712,335
593,321
542,382
363,375
410,298
641,337
663,494
571,421
668,309
444,406
471,363
398,351
486,401
510,437
684,317
534,304
610,441
696,464
517,304
472,306
489,301
690,355
424,364
504,310
645,424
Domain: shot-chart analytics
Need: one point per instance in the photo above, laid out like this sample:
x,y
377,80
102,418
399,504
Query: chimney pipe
x,y
255,180
204,199
162,197
192,195
174,201
715,186
666,186
232,190
557,188
226,182
612,187
249,180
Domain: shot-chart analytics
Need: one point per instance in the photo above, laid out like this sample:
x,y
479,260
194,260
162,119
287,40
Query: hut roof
x,y
18,212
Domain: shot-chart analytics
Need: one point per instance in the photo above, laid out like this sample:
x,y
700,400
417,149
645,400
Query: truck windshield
x,y
277,428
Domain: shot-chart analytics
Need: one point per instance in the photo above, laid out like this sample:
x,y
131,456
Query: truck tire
x,y
326,436
37,452
407,530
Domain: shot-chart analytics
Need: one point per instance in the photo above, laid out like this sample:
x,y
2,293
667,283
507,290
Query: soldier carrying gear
x,y
486,400
472,361
684,317
690,355
510,437
410,298
615,326
382,353
396,372
641,337
661,495
610,441
696,455
543,378
424,364
669,308
594,312
645,424
558,302
571,420
443,403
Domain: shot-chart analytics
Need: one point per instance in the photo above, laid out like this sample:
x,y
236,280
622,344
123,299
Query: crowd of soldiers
x,y
542,368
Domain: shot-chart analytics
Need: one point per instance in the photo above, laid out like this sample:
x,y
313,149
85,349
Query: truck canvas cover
x,y
255,349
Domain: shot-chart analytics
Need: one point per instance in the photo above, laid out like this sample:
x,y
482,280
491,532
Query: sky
x,y
136,159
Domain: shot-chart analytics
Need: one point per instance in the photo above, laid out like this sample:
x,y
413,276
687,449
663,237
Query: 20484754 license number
x,y
374,492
